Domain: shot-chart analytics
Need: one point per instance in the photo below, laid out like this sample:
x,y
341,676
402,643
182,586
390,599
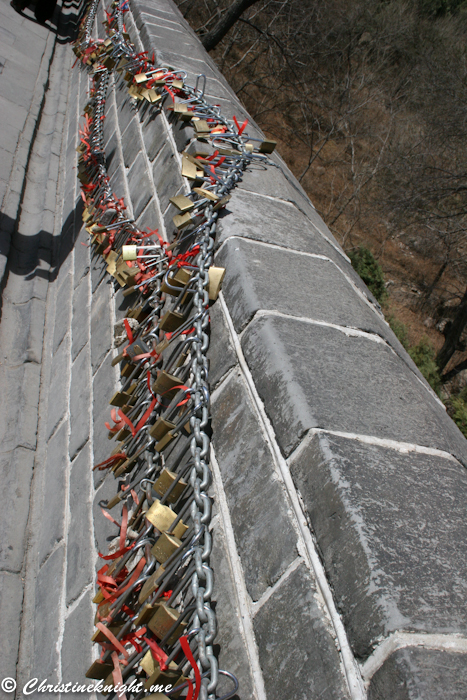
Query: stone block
x,y
76,651
312,376
247,214
154,134
392,532
221,353
414,673
182,133
16,469
101,328
149,219
310,666
131,143
112,154
98,272
257,501
110,122
126,108
80,401
122,304
20,399
59,388
11,602
54,498
167,176
233,653
21,332
118,183
80,320
140,186
62,317
46,627
80,552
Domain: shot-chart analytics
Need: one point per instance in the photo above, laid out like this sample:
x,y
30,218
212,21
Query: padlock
x,y
170,321
99,671
141,78
144,615
207,194
165,384
120,398
99,636
189,169
165,441
182,203
267,146
162,518
171,676
165,546
165,481
163,620
221,203
150,585
201,127
182,220
160,428
216,276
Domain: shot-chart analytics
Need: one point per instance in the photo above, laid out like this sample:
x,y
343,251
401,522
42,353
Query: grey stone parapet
x,y
339,484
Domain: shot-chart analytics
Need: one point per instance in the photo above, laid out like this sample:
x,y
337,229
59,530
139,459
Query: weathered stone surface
x,y
80,323
233,654
76,652
54,498
313,376
46,630
16,469
392,531
80,553
62,311
98,272
149,219
167,177
82,258
20,393
131,143
221,352
104,385
59,388
281,223
11,601
154,134
309,667
21,332
415,673
80,402
101,328
139,185
257,503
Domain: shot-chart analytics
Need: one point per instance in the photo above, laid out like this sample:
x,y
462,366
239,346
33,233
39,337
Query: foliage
x,y
424,356
366,265
400,330
458,405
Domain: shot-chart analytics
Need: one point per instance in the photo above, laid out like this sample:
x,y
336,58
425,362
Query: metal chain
x,y
181,583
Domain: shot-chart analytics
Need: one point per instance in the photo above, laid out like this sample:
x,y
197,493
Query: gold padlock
x,y
165,546
201,126
150,585
182,203
165,384
170,321
267,146
171,676
160,428
162,518
182,220
99,671
216,276
165,481
165,441
163,620
99,636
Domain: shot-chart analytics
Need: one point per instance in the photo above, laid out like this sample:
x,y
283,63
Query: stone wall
x,y
339,481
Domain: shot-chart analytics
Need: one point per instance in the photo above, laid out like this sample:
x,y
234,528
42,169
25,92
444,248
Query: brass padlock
x,y
165,546
216,276
150,585
189,169
182,220
165,481
207,194
267,146
163,620
171,321
120,398
182,203
162,518
170,676
166,440
99,671
99,636
160,428
201,126
165,384
145,614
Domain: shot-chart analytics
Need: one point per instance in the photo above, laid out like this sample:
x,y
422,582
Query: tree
x,y
225,23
